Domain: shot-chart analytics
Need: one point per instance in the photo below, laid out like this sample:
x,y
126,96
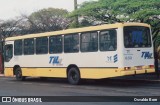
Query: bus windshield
x,y
137,37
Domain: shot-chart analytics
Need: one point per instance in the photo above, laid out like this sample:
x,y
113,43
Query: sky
x,y
10,9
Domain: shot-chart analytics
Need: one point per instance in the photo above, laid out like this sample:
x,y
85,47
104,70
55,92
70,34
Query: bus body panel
x,y
138,53
93,65
42,65
89,73
138,57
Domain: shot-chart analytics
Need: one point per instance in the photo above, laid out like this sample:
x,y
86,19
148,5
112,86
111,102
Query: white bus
x,y
94,52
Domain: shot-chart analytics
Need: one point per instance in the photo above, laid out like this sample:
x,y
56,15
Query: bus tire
x,y
18,73
73,76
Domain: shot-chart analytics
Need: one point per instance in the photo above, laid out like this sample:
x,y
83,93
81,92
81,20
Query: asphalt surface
x,y
60,87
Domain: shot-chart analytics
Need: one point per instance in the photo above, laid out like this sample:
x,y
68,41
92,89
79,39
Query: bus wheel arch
x,y
14,69
18,73
73,74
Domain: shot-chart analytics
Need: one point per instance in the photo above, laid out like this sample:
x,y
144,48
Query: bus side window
x,y
42,45
55,44
89,42
71,43
8,52
108,40
28,46
18,47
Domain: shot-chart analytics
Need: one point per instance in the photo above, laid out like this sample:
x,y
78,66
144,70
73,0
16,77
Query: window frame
x,y
21,47
88,42
62,45
41,46
72,34
150,37
115,40
25,46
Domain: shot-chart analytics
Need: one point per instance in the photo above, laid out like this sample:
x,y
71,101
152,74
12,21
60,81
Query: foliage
x,y
44,20
9,27
111,11
81,23
50,19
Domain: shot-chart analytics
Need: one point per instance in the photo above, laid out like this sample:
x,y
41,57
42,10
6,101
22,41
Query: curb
x,y
1,75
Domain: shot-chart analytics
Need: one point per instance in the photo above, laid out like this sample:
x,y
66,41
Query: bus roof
x,y
77,30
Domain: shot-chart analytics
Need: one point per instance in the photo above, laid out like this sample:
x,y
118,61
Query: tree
x,y
9,28
146,11
44,20
111,11
50,19
96,12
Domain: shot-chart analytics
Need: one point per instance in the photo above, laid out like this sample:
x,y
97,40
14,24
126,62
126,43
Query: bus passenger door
x,y
8,52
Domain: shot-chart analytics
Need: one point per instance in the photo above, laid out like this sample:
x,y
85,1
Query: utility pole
x,y
75,4
75,8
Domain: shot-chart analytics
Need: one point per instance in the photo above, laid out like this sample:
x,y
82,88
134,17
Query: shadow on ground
x,y
126,81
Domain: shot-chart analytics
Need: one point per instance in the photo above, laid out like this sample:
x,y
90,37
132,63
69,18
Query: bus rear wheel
x,y
73,76
18,74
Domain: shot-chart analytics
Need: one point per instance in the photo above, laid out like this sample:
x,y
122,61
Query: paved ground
x,y
60,87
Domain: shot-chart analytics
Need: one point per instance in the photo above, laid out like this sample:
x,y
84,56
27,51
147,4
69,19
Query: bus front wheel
x,y
73,76
19,76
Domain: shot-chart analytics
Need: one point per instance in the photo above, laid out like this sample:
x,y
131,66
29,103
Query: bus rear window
x,y
137,37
